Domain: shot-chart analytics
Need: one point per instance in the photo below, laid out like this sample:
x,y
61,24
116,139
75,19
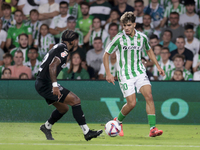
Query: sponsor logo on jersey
x,y
63,54
130,47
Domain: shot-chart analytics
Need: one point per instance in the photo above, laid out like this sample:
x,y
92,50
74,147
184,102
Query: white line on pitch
x,y
99,145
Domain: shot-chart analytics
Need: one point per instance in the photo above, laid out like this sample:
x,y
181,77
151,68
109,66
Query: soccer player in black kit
x,y
47,86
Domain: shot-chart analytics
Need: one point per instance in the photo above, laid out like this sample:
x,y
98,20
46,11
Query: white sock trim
x,y
48,125
85,129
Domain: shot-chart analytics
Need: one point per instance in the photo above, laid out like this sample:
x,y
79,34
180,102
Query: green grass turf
x,y
68,136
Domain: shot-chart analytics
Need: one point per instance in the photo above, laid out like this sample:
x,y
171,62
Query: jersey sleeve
x,y
29,30
80,38
102,70
146,45
113,45
195,59
52,25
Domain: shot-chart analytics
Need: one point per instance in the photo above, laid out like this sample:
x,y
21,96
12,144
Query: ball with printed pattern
x,y
112,128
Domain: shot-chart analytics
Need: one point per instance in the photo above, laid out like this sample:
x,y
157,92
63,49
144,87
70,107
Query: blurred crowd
x,y
30,28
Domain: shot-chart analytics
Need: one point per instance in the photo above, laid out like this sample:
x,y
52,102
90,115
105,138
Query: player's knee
x,y
76,100
132,104
149,97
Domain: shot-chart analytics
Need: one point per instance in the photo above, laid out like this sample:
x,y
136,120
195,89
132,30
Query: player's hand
x,y
110,79
56,91
161,72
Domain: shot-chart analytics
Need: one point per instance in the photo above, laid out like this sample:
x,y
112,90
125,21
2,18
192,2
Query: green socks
x,y
121,116
152,120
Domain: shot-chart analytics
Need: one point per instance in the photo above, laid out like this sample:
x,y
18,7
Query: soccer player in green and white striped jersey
x,y
165,63
131,73
178,60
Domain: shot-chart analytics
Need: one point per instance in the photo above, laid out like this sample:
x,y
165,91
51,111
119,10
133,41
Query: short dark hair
x,y
153,36
6,69
85,3
189,26
174,13
63,2
139,25
181,37
165,48
97,38
20,76
33,48
139,1
77,35
112,25
96,18
159,45
169,32
19,51
71,18
18,11
147,15
178,56
128,16
34,11
114,10
189,2
5,6
23,34
6,55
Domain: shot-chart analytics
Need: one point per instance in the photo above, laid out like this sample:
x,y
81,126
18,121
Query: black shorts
x,y
44,88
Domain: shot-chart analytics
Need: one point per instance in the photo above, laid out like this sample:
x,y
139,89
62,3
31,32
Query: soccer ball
x,y
112,128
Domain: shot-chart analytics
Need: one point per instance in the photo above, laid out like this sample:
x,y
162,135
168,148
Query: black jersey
x,y
59,50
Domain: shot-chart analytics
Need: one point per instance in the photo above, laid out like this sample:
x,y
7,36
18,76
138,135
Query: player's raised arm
x,y
53,73
109,76
152,56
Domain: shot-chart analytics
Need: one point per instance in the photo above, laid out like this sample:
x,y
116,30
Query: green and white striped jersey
x,y
45,43
35,68
80,37
197,5
1,70
166,67
186,74
35,28
7,23
101,33
107,41
128,52
163,3
113,69
181,10
196,60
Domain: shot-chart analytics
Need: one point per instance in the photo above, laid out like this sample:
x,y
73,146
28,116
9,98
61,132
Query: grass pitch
x,y
68,136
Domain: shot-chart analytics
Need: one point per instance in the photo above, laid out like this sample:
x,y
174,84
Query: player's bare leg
x,y
74,101
150,109
131,102
56,115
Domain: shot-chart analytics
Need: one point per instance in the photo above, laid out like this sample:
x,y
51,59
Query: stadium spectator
x,y
122,7
12,3
112,66
78,49
147,30
156,11
1,56
196,76
33,63
95,31
19,68
8,18
3,36
197,6
15,30
74,9
84,22
112,31
89,69
149,74
114,18
71,25
34,23
153,40
100,9
23,76
59,23
178,75
180,43
167,36
178,60
191,42
27,5
75,71
6,73
190,17
163,3
196,62
47,11
157,51
175,7
45,41
7,59
94,57
139,11
176,29
139,27
165,63
23,42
